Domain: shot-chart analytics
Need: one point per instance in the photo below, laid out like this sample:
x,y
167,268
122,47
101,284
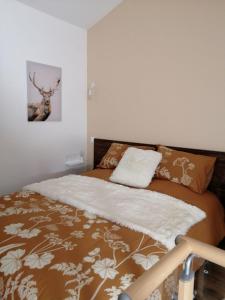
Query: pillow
x,y
136,168
191,170
112,157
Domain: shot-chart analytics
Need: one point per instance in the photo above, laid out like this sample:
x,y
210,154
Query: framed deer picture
x,y
43,92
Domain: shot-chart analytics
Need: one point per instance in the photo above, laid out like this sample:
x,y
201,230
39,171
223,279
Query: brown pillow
x,y
191,170
112,157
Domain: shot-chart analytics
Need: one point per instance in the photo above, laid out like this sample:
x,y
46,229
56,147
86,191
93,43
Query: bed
x,y
51,249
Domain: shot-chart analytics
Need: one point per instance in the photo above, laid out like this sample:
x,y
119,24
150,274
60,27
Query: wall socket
x,y
92,138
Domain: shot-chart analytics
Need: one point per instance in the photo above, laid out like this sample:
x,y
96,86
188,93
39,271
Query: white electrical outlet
x,y
92,139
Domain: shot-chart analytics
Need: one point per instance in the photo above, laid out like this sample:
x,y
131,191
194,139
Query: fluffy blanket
x,y
160,216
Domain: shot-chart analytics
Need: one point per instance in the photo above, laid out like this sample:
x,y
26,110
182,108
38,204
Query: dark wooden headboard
x,y
217,184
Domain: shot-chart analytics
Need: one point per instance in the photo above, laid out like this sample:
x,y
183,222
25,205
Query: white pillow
x,y
136,168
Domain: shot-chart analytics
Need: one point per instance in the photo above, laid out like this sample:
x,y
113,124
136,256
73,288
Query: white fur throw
x,y
160,216
136,168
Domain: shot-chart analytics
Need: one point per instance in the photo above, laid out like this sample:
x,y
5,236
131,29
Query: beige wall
x,y
159,68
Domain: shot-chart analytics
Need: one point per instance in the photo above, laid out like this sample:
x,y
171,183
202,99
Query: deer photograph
x,y
44,92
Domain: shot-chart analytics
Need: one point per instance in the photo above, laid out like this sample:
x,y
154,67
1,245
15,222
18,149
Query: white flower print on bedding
x,y
116,227
111,235
27,234
53,239
69,220
77,234
11,262
92,254
112,238
100,221
146,261
114,292
80,277
69,246
35,261
164,172
24,194
186,179
97,221
19,210
26,288
86,226
96,235
175,179
120,245
105,268
126,280
185,165
13,229
91,221
89,259
62,209
69,269
7,198
89,215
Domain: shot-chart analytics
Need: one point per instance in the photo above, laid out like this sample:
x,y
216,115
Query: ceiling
x,y
82,13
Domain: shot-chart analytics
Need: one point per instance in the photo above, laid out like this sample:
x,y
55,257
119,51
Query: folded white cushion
x,y
136,168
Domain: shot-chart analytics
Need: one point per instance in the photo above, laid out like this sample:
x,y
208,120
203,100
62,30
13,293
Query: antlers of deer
x,y
41,90
34,83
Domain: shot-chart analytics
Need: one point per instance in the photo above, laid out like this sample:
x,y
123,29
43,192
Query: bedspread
x,y
49,250
53,251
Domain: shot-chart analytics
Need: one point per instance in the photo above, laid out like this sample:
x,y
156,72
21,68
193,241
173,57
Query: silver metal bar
x,y
187,273
178,238
124,296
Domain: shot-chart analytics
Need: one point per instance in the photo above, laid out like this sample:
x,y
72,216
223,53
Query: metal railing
x,y
186,249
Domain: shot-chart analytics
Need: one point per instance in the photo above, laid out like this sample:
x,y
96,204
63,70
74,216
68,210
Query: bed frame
x,y
217,184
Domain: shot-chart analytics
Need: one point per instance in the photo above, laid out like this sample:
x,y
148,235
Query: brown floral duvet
x,y
49,250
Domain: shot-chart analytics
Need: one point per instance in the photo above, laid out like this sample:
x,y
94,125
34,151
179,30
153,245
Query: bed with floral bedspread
x,y
50,250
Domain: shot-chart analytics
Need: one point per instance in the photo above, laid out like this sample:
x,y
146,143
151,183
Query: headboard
x,y
217,184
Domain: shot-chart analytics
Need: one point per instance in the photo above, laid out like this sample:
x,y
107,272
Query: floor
x,y
210,281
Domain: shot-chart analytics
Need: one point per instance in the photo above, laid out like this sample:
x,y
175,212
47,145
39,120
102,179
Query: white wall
x,y
34,151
